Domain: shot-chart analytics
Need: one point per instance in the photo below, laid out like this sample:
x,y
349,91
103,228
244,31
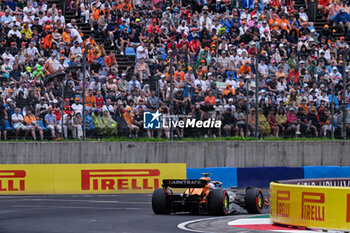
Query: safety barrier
x,y
262,176
86,178
319,204
227,175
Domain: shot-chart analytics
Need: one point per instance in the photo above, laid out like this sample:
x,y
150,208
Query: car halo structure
x,y
204,195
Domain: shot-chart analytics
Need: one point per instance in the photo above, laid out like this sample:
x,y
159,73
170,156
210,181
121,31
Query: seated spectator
x,y
18,122
129,118
32,125
51,124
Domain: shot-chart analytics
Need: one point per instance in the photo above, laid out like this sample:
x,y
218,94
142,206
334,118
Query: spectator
x,y
18,122
32,125
51,124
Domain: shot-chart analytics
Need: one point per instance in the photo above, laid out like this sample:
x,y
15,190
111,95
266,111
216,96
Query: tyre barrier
x,y
311,203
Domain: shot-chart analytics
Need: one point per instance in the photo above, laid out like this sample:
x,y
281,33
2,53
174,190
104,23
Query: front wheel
x,y
160,202
218,202
254,200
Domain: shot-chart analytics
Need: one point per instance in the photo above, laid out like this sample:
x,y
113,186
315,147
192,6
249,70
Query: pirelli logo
x,y
313,206
283,203
120,179
12,180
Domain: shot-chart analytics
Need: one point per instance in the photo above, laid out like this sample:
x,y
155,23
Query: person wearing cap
x,y
123,84
77,106
129,118
60,17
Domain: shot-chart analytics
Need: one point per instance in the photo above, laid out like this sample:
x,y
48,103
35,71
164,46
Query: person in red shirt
x,y
184,41
253,50
152,26
99,100
195,45
294,75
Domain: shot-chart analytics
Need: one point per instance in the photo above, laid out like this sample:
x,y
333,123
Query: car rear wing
x,y
185,183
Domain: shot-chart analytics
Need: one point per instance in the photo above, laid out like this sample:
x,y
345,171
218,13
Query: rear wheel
x,y
160,202
218,202
254,200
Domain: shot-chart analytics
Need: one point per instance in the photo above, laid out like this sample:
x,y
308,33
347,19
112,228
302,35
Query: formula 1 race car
x,y
204,195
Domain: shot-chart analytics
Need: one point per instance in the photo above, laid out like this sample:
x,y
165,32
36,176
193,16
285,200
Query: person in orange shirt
x,y
66,35
90,100
323,7
245,69
126,6
91,40
229,91
31,123
94,16
111,61
284,23
273,22
129,118
210,98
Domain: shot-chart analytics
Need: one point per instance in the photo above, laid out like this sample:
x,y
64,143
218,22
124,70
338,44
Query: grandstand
x,y
218,54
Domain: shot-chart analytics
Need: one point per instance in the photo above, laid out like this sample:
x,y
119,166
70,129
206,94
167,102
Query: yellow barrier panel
x,y
86,178
320,207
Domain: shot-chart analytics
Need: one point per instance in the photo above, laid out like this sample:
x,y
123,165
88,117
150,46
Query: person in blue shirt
x,y
342,18
11,5
123,25
90,126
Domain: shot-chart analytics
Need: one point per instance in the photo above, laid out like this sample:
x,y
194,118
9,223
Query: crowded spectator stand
x,y
92,68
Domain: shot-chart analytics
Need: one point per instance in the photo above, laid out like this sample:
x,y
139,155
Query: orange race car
x,y
204,195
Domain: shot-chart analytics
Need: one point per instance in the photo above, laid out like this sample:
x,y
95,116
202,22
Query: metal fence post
x,y
171,95
256,91
343,95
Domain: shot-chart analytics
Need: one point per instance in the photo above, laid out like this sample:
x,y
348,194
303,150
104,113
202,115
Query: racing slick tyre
x,y
160,203
254,200
218,202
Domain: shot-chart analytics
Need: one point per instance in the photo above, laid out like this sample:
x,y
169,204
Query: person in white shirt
x,y
183,27
74,50
75,35
203,83
141,51
302,15
32,51
60,17
264,26
29,18
231,81
8,55
263,68
18,122
108,107
77,106
14,32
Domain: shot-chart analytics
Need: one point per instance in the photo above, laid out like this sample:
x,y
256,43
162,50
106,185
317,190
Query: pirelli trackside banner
x,y
86,178
322,207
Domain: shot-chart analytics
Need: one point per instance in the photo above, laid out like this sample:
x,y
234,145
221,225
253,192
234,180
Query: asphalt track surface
x,y
96,214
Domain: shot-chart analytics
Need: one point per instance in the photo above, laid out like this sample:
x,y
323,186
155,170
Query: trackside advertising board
x,y
86,178
322,207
